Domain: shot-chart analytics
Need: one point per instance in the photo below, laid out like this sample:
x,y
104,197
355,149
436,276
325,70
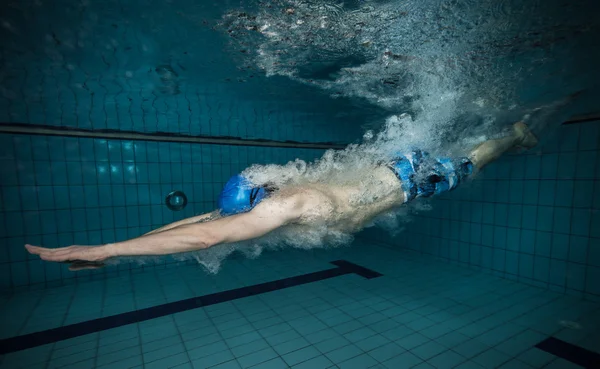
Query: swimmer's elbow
x,y
207,240
201,237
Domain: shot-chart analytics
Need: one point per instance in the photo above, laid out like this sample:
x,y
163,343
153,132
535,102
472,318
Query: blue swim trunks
x,y
424,176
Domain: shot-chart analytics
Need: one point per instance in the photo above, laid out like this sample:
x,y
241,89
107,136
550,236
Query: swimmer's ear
x,y
270,188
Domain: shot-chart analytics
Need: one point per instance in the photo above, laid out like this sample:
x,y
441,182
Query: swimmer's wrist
x,y
110,250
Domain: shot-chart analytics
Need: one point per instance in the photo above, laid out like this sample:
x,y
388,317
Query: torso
x,y
333,206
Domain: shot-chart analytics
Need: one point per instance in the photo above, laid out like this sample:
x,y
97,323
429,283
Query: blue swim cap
x,y
239,196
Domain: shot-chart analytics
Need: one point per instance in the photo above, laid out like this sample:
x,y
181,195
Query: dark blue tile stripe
x,y
575,354
592,118
356,269
79,329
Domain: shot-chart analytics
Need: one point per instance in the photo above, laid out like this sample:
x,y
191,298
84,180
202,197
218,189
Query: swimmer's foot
x,y
526,138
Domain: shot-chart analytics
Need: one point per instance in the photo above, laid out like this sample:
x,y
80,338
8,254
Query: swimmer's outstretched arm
x,y
267,216
196,219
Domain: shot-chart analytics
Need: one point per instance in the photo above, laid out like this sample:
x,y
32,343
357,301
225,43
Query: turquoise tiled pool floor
x,y
421,314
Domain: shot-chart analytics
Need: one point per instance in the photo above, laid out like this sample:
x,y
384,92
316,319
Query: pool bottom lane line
x,y
36,339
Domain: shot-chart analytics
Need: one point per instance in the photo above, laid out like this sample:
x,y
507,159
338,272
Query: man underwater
x,y
250,212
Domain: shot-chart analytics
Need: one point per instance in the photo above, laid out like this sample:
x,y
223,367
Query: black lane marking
x,y
575,354
79,329
356,269
583,119
117,134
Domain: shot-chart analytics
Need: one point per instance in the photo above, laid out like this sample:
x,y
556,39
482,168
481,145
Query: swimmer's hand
x,y
80,257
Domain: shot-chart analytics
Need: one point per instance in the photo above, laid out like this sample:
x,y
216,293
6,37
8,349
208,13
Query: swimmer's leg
x,y
493,149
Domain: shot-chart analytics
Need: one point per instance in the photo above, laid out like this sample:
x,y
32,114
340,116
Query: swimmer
x,y
247,212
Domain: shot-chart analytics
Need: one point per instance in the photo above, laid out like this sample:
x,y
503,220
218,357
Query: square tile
x,y
447,359
412,341
358,362
213,360
491,358
536,357
428,350
319,362
300,355
405,360
256,358
344,353
386,352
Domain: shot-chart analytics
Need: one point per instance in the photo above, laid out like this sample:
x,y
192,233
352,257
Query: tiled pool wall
x,y
532,217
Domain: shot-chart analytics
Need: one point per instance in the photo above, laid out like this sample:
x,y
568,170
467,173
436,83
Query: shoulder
x,y
311,203
291,200
296,202
285,205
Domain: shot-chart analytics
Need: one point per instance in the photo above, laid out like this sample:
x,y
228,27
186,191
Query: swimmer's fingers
x,y
60,254
35,250
85,253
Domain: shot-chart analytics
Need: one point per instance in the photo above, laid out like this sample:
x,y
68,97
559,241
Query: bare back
x,y
334,206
